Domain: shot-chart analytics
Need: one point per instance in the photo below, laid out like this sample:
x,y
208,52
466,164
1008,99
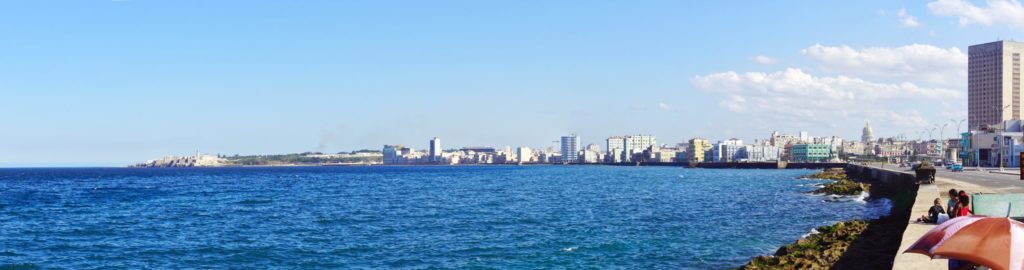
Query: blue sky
x,y
108,83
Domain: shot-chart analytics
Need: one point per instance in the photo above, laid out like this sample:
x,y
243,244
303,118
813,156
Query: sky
x,y
111,83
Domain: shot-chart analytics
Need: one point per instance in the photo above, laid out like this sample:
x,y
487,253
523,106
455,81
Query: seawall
x,y
878,245
742,165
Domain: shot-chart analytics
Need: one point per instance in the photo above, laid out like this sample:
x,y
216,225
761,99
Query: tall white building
x,y
435,151
524,154
615,146
571,149
615,142
993,83
730,150
636,144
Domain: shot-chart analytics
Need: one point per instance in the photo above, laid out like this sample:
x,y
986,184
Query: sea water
x,y
506,217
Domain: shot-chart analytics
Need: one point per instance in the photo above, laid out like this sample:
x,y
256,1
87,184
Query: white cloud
x,y
764,60
664,107
908,20
734,103
923,64
797,83
797,98
1008,12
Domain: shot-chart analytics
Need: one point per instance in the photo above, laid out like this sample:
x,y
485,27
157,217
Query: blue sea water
x,y
504,217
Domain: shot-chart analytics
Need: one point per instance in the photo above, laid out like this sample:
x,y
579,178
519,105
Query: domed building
x,y
867,137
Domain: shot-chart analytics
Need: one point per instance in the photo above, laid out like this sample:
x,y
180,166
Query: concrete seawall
x,y
888,235
888,180
740,165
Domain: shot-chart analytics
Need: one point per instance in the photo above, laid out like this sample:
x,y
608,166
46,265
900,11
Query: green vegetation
x,y
831,174
299,159
817,251
842,184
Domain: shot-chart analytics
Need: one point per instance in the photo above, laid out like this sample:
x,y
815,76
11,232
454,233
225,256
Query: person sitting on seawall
x,y
963,208
954,199
933,213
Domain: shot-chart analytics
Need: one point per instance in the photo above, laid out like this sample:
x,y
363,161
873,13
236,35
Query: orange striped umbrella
x,y
994,242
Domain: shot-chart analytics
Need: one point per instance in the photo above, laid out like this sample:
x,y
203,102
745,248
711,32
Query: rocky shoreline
x,y
841,184
817,251
854,244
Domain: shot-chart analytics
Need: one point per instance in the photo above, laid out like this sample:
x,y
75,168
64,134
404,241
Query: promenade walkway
x,y
972,181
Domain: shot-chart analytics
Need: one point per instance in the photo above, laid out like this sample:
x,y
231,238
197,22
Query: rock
x,y
781,251
818,251
842,185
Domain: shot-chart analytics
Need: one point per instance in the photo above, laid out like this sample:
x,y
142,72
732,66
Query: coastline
x,y
707,165
850,244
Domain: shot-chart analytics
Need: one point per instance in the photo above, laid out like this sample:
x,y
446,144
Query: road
x,y
983,180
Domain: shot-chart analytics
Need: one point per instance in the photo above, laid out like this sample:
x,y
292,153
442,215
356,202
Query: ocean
x,y
501,217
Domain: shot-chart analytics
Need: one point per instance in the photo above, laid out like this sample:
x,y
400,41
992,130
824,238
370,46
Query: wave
x,y
808,234
860,198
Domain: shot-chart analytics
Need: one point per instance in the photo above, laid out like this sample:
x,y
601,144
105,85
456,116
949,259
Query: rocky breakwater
x,y
854,244
841,184
185,161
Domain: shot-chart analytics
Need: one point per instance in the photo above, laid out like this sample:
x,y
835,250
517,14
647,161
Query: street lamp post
x,y
1000,128
958,123
942,142
959,137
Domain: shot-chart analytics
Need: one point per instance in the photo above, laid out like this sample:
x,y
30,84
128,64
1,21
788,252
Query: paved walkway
x,y
973,182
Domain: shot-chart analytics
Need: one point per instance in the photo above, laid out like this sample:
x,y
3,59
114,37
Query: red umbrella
x,y
994,242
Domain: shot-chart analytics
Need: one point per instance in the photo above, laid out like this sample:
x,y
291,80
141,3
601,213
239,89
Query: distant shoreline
x,y
707,165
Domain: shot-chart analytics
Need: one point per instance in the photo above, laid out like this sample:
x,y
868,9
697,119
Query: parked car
x,y
956,167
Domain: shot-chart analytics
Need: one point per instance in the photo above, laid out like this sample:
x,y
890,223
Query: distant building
x,y
636,144
571,149
696,149
624,148
1000,145
524,155
615,146
761,153
435,151
397,154
730,150
993,83
477,149
665,154
590,156
867,135
392,153
810,152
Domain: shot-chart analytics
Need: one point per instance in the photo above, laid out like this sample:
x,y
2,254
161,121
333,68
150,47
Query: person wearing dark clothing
x,y
933,213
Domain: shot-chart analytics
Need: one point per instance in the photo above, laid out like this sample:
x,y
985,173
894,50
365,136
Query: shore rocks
x,y
842,184
817,251
831,174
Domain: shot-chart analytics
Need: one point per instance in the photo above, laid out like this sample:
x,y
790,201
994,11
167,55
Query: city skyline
x,y
109,83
